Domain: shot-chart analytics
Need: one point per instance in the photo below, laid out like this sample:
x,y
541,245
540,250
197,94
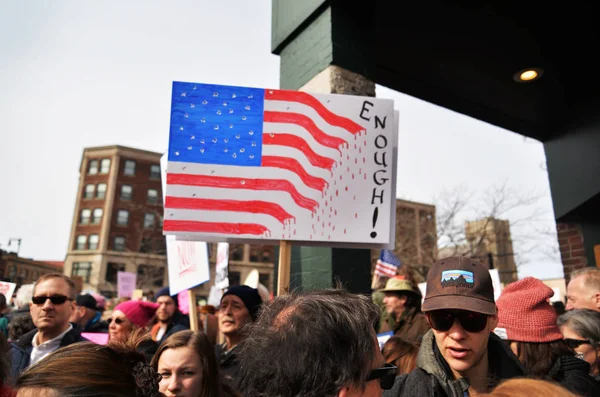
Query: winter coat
x,y
20,351
229,366
412,326
573,374
433,377
179,322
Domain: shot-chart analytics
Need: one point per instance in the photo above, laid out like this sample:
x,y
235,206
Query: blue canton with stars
x,y
216,124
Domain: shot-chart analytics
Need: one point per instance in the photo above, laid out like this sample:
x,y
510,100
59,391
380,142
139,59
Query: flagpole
x,y
283,274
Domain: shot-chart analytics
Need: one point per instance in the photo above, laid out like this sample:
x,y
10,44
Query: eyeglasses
x,y
117,321
575,343
385,374
443,320
55,299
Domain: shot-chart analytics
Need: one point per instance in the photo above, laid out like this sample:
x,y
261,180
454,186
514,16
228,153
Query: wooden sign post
x,y
283,274
193,310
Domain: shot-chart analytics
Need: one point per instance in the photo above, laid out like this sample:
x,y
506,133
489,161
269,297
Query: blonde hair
x,y
524,387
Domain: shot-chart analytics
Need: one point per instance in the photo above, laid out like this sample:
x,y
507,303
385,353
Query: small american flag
x,y
387,264
250,162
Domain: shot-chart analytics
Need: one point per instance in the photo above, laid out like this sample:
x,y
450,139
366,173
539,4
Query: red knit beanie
x,y
525,313
138,312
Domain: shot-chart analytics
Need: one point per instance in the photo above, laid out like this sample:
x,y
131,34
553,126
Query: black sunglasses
x,y
117,321
443,320
55,299
575,343
385,374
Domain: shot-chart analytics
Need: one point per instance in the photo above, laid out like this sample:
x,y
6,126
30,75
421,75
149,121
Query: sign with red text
x,y
7,289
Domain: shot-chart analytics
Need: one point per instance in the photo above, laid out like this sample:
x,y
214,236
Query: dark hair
x,y
19,324
294,332
538,358
199,343
86,369
4,359
401,353
559,307
70,283
2,301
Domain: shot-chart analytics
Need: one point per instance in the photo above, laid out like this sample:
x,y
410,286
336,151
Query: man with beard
x,y
239,307
170,319
52,304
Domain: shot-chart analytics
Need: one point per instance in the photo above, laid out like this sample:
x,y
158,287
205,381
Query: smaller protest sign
x,y
98,338
126,284
383,337
221,272
7,289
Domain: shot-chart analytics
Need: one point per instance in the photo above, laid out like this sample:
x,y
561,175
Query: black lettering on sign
x,y
365,110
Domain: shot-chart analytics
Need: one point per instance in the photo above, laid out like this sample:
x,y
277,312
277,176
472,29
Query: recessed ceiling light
x,y
528,75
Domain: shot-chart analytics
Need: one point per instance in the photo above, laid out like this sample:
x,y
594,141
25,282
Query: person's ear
x,y
596,298
494,320
344,392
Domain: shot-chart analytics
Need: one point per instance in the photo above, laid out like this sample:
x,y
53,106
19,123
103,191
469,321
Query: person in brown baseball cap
x,y
460,355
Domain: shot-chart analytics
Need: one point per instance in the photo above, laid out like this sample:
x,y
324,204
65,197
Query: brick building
x,y
20,271
416,236
117,222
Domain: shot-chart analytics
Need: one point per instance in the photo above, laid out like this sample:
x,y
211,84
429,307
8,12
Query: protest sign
x,y
125,284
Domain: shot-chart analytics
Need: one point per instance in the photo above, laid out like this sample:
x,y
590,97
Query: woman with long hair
x,y
528,322
133,317
188,367
89,370
401,353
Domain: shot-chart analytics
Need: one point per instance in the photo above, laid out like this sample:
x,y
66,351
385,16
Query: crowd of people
x,y
456,341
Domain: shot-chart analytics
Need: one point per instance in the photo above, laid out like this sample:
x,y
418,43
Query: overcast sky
x,y
76,74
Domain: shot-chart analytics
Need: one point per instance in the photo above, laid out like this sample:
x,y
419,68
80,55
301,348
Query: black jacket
x,y
573,374
179,322
229,366
20,351
433,377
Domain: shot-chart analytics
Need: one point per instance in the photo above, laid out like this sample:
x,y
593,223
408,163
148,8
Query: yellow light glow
x,y
528,75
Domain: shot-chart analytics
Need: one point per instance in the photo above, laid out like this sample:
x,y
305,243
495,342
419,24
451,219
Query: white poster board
x,y
7,289
247,164
221,271
496,283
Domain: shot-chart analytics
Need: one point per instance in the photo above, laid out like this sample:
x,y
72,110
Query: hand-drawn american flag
x,y
387,264
251,162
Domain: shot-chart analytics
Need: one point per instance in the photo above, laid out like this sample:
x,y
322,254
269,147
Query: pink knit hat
x,y
525,313
138,312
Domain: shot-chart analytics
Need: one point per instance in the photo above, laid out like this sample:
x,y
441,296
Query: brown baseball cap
x,y
459,282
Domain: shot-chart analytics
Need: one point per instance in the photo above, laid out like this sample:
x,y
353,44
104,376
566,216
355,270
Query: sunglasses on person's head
x,y
55,299
117,321
575,343
385,374
443,320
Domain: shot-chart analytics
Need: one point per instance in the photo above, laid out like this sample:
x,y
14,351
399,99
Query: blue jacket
x,y
20,351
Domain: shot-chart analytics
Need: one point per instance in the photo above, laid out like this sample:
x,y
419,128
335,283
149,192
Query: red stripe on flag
x,y
211,227
252,206
242,183
293,165
300,144
307,99
306,123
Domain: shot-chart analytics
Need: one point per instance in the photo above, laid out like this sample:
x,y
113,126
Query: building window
x,y
93,245
111,271
84,219
155,171
254,255
146,246
264,279
83,270
236,252
150,275
122,217
152,196
81,242
101,190
129,168
89,192
234,278
97,217
93,167
149,221
126,192
104,166
119,243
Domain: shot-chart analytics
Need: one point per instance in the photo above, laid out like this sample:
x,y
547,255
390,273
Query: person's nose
x,y
47,304
569,306
174,383
457,332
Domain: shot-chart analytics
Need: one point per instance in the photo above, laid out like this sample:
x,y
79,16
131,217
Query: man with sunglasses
x,y
52,305
316,343
460,356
